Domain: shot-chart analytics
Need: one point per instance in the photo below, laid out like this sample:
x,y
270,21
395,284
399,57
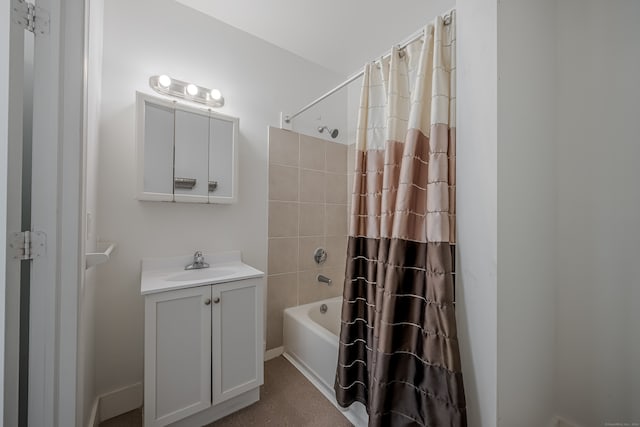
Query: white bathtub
x,y
311,345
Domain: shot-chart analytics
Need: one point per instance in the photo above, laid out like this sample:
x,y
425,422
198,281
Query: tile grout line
x,y
300,173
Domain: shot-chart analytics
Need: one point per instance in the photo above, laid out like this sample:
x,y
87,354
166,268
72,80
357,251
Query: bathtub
x,y
311,345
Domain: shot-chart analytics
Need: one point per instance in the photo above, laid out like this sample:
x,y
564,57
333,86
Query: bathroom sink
x,y
201,274
168,273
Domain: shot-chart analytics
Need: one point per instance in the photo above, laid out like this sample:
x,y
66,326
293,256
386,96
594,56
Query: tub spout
x,y
323,279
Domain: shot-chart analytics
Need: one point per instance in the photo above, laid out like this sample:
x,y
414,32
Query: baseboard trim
x,y
94,419
273,353
120,401
559,421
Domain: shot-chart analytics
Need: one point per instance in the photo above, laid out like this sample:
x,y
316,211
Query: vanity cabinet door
x,y
237,338
191,157
177,355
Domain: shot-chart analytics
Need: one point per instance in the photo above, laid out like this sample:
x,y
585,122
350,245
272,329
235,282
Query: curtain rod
x,y
287,119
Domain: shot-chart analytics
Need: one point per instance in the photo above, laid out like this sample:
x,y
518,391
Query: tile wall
x,y
308,202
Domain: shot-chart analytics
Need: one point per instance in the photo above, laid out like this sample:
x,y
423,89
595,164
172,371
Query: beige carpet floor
x,y
287,399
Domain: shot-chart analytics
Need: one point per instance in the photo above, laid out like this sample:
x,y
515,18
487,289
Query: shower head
x,y
332,132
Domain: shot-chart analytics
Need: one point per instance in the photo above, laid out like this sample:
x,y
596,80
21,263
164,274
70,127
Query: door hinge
x,y
31,17
28,244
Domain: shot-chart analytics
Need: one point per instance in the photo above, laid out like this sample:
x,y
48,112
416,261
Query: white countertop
x,y
224,267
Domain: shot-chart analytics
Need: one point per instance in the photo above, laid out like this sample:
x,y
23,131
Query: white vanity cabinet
x,y
203,352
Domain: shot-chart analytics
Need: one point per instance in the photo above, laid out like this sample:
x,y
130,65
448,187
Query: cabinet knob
x,y
207,301
216,300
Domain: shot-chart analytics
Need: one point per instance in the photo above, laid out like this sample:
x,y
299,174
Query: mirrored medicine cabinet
x,y
185,153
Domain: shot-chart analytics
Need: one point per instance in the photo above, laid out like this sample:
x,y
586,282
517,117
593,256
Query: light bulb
x,y
215,94
192,89
164,81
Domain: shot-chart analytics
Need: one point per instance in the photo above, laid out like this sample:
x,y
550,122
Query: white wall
x,y
526,212
564,144
476,282
353,108
568,246
598,237
258,81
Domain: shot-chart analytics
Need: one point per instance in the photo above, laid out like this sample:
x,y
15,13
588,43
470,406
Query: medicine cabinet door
x,y
222,159
191,157
156,151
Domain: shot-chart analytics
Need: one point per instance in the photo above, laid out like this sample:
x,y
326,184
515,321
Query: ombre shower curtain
x,y
398,352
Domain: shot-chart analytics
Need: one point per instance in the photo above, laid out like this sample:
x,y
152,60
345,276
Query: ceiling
x,y
340,35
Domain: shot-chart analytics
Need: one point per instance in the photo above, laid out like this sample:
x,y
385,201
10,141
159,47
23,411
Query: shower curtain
x,y
398,351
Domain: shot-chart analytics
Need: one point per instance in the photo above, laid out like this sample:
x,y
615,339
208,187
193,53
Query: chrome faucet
x,y
323,279
198,262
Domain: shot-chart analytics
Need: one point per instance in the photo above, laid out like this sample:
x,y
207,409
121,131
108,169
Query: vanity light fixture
x,y
168,86
164,81
215,94
192,89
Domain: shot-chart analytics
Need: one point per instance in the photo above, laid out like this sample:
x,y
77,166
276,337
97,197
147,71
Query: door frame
x,y
57,210
71,192
11,106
